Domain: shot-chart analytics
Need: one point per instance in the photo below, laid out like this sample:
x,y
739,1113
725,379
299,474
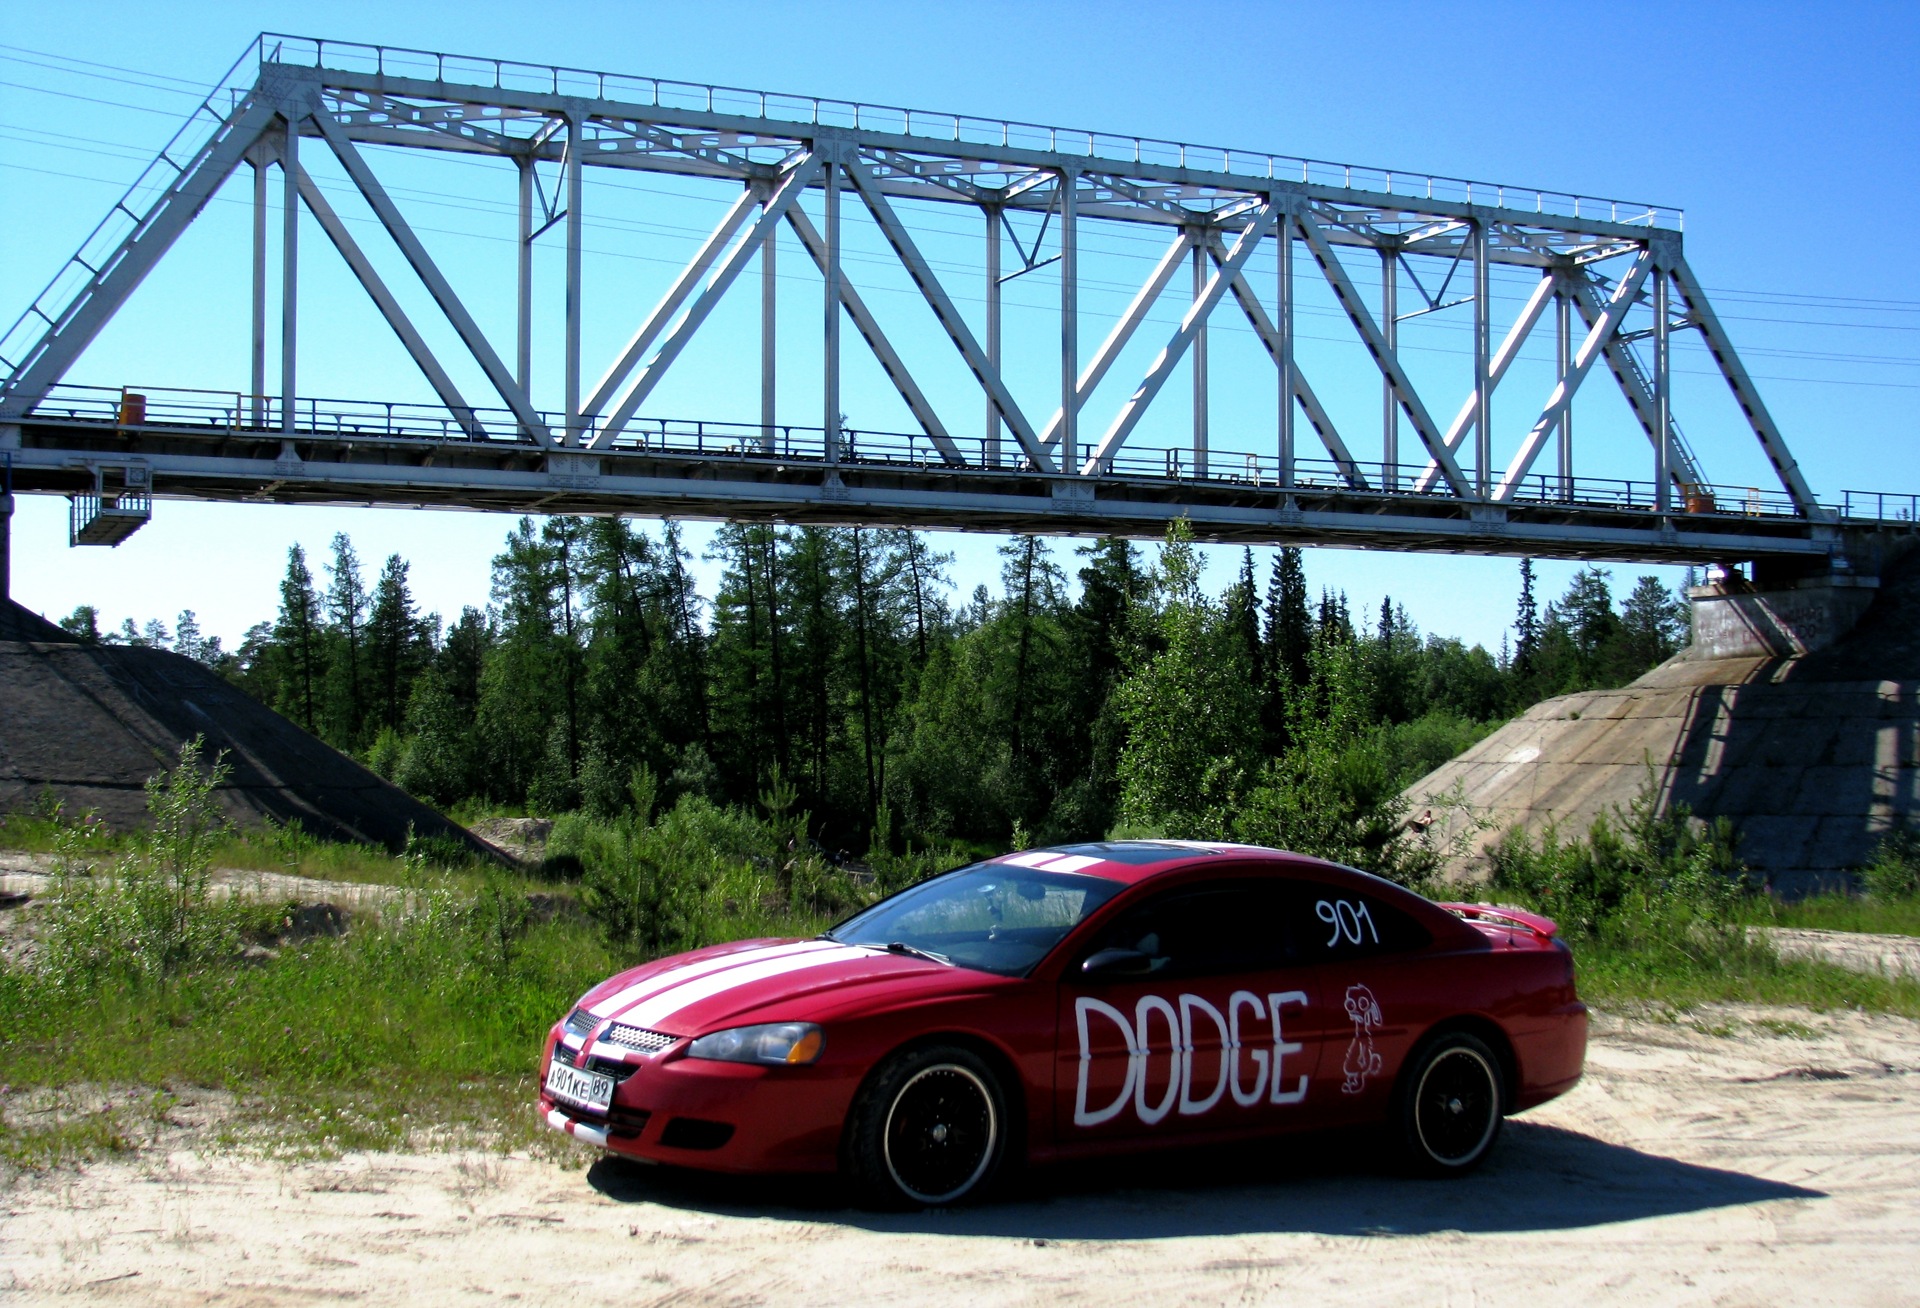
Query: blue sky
x,y
1786,133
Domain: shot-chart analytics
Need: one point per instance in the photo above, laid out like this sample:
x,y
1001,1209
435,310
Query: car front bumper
x,y
696,1112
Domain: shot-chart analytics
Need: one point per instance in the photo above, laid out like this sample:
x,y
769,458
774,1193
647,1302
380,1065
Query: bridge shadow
x,y
1541,1178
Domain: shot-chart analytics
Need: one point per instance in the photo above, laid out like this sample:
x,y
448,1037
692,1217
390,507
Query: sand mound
x,y
90,723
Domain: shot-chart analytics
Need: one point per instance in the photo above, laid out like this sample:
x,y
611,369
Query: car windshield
x,y
991,916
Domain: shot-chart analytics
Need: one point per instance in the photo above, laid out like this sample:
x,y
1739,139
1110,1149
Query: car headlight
x,y
776,1042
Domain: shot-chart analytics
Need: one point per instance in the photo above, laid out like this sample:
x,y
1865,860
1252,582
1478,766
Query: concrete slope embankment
x,y
90,723
1814,759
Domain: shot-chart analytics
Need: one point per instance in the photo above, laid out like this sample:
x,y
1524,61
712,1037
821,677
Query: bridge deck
x,y
419,456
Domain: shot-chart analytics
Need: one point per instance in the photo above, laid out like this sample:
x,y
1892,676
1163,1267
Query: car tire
x,y
1449,1104
928,1129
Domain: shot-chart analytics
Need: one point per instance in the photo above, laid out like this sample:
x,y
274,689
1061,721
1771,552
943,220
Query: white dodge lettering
x,y
1269,1080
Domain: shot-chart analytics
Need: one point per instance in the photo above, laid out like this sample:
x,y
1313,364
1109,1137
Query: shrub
x,y
148,913
1643,878
1894,871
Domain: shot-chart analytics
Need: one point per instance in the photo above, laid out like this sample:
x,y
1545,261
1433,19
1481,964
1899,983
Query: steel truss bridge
x,y
1610,275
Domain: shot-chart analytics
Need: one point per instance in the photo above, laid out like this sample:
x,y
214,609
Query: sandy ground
x,y
1738,1156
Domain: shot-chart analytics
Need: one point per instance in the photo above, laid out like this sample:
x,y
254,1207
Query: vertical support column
x,y
830,378
6,529
1662,393
1563,364
289,274
1283,324
575,133
992,448
523,302
257,383
769,325
1069,324
1199,365
1482,366
1389,406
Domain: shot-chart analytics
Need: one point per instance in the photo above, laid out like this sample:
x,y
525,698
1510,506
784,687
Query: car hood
x,y
773,980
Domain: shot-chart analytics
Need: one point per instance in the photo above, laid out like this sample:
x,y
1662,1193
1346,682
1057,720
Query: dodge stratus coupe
x,y
1069,1002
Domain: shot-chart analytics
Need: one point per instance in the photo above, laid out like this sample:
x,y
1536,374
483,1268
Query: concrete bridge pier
x,y
1741,618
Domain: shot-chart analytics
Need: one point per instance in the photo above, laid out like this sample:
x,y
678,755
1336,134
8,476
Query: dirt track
x,y
1739,1157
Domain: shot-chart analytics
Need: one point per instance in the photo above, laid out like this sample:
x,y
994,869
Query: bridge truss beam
x,y
1598,259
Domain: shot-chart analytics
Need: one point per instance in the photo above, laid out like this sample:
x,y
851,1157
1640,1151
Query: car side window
x,y
1209,930
1328,922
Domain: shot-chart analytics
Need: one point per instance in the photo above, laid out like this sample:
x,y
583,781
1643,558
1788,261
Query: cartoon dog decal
x,y
1363,1060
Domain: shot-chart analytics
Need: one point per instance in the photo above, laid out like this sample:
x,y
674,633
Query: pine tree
x,y
1243,615
84,623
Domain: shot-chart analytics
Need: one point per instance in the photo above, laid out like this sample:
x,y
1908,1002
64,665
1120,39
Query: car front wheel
x,y
1451,1100
928,1129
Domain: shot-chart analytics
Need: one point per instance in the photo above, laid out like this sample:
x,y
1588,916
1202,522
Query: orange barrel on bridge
x,y
133,408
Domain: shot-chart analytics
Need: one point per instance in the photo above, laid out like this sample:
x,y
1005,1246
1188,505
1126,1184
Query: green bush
x,y
1894,872
1643,878
147,913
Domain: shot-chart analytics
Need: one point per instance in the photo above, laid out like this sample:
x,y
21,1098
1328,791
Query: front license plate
x,y
589,1090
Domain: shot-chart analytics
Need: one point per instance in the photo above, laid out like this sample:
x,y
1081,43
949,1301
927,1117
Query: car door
x,y
1209,1026
1365,958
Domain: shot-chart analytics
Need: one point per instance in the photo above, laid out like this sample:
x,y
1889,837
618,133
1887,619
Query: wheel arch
x,y
1012,1086
1487,1030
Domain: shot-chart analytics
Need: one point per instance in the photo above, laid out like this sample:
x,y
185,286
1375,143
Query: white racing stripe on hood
x,y
674,976
669,1002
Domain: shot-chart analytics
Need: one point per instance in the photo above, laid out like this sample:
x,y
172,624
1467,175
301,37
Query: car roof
x,y
1134,861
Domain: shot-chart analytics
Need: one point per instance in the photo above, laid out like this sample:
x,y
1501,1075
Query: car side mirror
x,y
1116,963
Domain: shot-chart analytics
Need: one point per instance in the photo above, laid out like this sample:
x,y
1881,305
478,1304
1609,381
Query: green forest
x,y
835,672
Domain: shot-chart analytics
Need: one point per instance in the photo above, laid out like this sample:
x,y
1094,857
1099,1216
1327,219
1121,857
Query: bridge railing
x,y
1879,506
946,127
319,418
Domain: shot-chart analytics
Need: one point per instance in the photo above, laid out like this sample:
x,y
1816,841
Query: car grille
x,y
605,1066
581,1023
637,1038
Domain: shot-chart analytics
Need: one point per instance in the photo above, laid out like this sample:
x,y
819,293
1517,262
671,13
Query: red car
x,y
1062,1003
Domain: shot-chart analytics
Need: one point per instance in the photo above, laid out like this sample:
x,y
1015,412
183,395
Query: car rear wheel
x,y
1450,1104
928,1129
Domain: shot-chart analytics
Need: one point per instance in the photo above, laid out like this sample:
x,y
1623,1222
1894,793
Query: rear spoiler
x,y
1545,928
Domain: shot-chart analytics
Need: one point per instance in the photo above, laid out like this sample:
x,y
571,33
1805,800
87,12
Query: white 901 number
x,y
1351,923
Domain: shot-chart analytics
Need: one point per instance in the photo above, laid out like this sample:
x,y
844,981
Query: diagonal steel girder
x,y
1383,355
1123,330
390,309
876,339
1743,389
1135,408
514,395
1626,369
1598,337
670,304
783,196
1502,360
942,305
1303,393
93,306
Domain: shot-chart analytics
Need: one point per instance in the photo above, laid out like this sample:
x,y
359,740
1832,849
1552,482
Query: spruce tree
x,y
297,641
1526,625
398,643
346,703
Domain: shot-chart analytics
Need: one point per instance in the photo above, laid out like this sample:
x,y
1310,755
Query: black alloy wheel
x,y
1452,1099
928,1129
